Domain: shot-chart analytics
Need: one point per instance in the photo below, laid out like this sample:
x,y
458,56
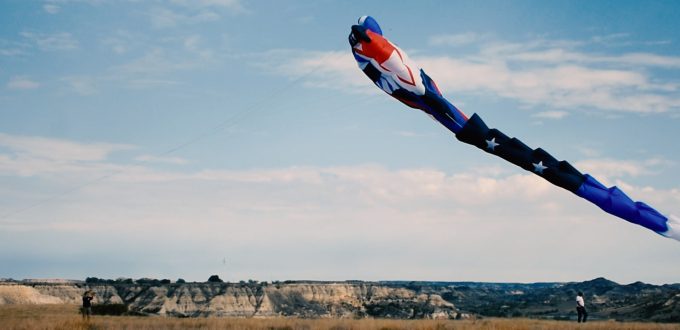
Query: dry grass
x,y
67,317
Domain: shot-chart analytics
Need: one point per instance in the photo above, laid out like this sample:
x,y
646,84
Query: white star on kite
x,y
538,168
491,144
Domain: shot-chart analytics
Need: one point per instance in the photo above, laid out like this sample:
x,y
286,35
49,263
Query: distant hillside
x,y
357,299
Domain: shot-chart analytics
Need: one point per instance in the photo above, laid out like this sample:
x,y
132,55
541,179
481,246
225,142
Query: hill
x,y
357,299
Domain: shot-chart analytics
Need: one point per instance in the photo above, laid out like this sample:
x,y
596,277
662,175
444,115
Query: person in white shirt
x,y
581,308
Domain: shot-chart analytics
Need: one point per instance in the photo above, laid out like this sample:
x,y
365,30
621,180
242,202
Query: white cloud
x,y
157,63
647,59
554,55
83,85
22,82
58,150
371,184
535,73
316,188
333,70
161,159
232,5
55,6
60,159
11,52
456,39
610,167
58,41
551,114
559,55
51,8
192,12
608,170
564,86
357,214
195,45
166,18
367,211
153,69
122,41
163,18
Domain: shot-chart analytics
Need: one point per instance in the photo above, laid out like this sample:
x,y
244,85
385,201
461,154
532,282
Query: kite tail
x,y
614,201
561,173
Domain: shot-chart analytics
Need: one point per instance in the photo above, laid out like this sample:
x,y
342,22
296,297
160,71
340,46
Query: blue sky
x,y
182,138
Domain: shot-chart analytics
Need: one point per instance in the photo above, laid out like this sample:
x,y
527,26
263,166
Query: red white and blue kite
x,y
391,70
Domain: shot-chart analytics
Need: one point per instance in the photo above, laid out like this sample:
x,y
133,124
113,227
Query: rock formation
x,y
356,299
311,300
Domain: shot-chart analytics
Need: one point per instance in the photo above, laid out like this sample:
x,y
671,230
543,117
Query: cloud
x,y
13,48
51,8
536,73
333,70
52,158
563,87
83,85
160,159
54,7
361,204
11,52
233,5
58,149
58,41
559,55
372,184
166,18
647,59
22,83
551,114
322,189
609,170
122,41
155,66
456,39
365,213
192,12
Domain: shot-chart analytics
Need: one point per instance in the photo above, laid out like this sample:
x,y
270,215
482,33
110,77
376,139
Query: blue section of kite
x,y
393,72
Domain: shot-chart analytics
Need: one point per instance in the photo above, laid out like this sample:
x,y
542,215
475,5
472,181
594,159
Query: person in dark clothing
x,y
87,304
581,308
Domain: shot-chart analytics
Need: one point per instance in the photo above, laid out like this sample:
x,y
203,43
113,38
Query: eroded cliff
x,y
331,300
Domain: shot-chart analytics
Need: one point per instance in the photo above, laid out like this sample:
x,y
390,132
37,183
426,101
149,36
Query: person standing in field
x,y
87,304
581,308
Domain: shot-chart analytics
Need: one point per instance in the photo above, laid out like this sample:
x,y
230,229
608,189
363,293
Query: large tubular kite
x,y
392,71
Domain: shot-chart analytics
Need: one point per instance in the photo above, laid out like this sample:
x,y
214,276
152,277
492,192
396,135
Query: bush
x,y
148,281
109,309
180,281
215,279
91,280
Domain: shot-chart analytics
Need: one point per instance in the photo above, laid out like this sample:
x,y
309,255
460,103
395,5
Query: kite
x,y
393,72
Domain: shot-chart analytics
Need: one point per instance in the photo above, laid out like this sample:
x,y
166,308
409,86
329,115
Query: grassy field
x,y
67,317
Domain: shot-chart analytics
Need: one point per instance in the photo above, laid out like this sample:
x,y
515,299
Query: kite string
x,y
238,117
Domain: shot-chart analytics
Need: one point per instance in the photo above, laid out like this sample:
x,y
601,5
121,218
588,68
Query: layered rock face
x,y
313,300
355,299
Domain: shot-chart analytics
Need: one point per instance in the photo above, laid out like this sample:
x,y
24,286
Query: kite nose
x,y
370,23
359,33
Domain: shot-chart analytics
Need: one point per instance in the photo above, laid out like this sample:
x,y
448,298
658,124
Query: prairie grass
x,y
67,317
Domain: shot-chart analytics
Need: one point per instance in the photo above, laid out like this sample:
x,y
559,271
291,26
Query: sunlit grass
x,y
68,317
